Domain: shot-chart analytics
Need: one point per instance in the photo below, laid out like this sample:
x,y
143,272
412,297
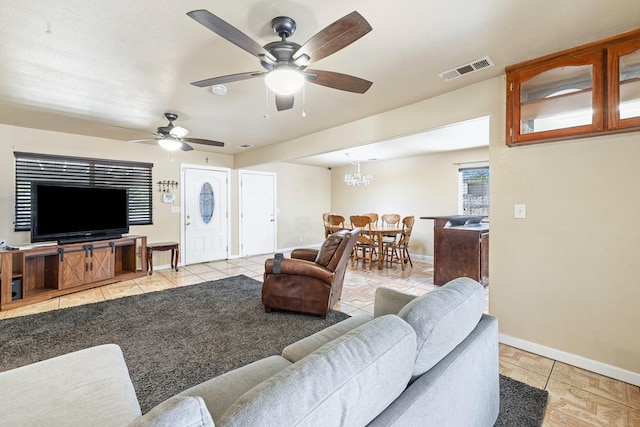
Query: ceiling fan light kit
x,y
284,81
170,144
289,58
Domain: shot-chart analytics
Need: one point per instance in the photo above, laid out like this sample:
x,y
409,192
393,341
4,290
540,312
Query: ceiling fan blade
x,y
179,131
284,102
229,32
204,142
143,140
185,146
338,81
334,37
228,79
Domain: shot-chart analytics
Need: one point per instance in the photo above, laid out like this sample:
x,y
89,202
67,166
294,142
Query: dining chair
x,y
399,251
327,225
387,221
374,217
336,223
365,245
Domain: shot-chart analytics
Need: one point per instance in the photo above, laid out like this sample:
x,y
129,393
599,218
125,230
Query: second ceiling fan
x,y
285,61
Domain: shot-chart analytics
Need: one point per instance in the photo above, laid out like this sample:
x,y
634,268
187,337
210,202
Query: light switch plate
x,y
520,211
175,209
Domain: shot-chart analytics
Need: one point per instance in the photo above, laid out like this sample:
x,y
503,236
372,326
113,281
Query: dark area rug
x,y
520,404
171,339
177,338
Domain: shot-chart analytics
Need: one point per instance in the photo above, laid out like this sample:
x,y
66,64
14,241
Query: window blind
x,y
135,176
474,191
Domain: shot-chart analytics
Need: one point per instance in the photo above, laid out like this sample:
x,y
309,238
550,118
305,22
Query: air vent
x,y
471,67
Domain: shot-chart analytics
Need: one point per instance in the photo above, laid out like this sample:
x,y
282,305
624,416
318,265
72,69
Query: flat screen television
x,y
75,213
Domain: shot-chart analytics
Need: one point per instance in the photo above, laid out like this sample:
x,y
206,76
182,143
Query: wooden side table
x,y
164,246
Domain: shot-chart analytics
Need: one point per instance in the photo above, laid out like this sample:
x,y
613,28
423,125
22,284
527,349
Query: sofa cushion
x,y
221,392
348,381
176,411
442,319
308,345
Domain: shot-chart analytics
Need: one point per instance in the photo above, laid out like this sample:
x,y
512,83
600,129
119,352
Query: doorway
x,y
205,214
257,212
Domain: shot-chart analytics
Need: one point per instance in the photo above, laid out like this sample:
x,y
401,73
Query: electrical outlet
x,y
301,239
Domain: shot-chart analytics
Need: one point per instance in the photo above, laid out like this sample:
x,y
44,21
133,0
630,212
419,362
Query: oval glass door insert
x,y
207,203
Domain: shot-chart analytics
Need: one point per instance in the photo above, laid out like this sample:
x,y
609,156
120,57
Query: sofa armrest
x,y
307,254
299,267
390,301
86,387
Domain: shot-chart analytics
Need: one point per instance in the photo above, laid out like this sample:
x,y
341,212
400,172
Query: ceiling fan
x,y
172,137
285,61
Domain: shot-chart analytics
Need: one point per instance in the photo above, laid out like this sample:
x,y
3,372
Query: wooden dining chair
x,y
327,225
374,217
399,251
365,245
336,223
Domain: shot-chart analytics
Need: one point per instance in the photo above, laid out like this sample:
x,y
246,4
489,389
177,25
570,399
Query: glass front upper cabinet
x,y
555,100
588,90
624,85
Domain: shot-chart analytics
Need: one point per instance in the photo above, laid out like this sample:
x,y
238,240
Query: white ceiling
x,y
91,68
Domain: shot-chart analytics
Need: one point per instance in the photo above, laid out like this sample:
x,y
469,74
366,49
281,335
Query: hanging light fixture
x,y
357,179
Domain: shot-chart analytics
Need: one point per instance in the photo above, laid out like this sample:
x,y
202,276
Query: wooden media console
x,y
38,273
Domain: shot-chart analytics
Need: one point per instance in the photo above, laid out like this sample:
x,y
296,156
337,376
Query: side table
x,y
164,246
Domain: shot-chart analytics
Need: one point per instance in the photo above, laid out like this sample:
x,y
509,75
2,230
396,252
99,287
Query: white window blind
x,y
474,191
135,176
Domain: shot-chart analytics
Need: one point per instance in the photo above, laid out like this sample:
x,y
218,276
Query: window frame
x,y
135,176
463,189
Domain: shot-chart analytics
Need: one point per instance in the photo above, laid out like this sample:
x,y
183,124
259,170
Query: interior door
x,y
257,213
205,214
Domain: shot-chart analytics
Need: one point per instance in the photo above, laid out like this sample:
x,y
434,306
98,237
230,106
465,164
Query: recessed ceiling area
x,y
456,136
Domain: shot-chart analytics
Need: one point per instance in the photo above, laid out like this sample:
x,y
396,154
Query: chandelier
x,y
358,178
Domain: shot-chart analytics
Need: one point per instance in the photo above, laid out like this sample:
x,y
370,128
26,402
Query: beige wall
x,y
303,191
419,186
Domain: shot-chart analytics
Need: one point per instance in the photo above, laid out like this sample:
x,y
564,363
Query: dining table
x,y
378,231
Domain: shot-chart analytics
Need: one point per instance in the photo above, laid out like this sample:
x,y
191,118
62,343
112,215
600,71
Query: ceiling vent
x,y
471,67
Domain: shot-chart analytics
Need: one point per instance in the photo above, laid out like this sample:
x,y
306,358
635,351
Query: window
x,y
474,191
135,176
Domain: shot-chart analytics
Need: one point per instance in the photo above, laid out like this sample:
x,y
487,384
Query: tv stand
x,y
40,273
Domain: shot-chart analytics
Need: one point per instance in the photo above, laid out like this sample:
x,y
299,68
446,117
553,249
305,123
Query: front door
x,y
257,213
205,215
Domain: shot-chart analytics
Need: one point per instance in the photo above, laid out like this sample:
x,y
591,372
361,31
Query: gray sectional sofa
x,y
431,360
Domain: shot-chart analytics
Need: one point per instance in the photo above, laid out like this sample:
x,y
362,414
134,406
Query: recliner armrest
x,y
307,254
300,267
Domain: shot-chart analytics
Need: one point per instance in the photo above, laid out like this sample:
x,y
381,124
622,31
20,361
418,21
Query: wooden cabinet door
x,y
73,268
101,265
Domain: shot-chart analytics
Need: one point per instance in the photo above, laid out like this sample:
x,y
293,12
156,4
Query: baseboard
x,y
572,359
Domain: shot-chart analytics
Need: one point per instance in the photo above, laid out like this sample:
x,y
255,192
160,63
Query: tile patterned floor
x,y
576,397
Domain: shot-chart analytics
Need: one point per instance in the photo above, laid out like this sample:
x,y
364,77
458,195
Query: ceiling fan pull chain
x,y
266,102
304,96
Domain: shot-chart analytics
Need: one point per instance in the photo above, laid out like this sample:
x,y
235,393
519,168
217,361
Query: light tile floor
x,y
576,397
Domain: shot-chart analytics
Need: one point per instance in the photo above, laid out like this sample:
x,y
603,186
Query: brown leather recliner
x,y
311,280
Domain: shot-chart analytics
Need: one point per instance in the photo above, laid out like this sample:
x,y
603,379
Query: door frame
x,y
183,167
275,207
